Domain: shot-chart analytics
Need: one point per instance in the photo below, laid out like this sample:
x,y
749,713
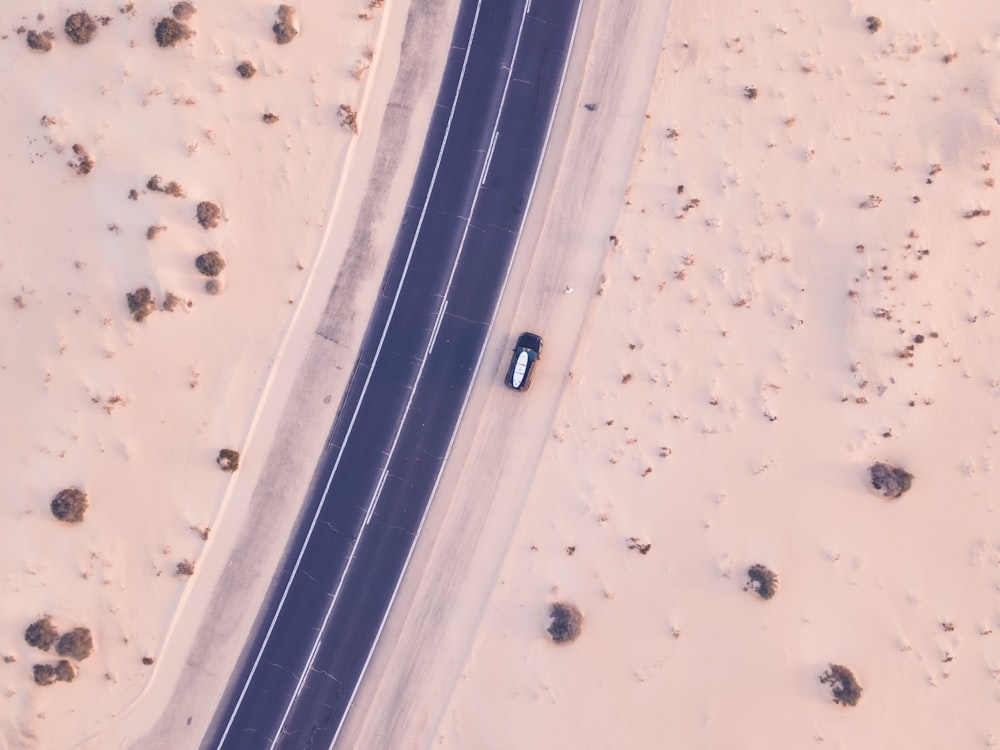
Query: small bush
x,y
140,303
348,117
750,92
154,230
873,24
228,460
210,263
270,118
763,581
184,10
70,505
213,287
185,568
77,644
171,188
208,214
845,687
44,674
889,481
172,302
246,69
82,163
81,28
41,41
567,622
638,545
284,28
65,672
170,32
41,634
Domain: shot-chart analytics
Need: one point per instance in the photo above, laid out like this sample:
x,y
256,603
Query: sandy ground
x,y
135,413
819,295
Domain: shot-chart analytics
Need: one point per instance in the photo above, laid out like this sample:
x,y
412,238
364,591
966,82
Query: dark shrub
x,y
170,32
41,41
77,644
81,28
210,263
567,622
208,214
270,118
172,302
213,287
246,69
845,687
889,480
69,505
638,545
873,23
41,634
763,581
185,568
83,163
228,460
65,672
147,660
154,230
44,674
284,28
140,303
348,117
171,188
184,10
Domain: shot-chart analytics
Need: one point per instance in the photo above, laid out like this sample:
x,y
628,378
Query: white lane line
x,y
475,373
368,518
489,158
354,416
437,327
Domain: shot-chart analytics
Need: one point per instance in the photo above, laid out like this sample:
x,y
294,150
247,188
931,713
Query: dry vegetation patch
x,y
843,684
246,69
208,214
763,581
567,622
41,41
184,10
171,188
185,568
210,263
77,644
154,230
888,480
70,505
284,28
41,634
81,28
228,459
348,117
82,163
270,118
140,303
170,32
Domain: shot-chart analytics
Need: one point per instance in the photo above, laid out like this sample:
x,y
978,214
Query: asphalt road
x,y
420,355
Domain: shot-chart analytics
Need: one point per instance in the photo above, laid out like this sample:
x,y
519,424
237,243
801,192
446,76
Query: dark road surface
x,y
422,348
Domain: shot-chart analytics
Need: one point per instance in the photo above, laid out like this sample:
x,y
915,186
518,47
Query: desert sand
x,y
773,270
133,412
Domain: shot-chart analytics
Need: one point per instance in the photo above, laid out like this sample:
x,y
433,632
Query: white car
x,y
527,351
